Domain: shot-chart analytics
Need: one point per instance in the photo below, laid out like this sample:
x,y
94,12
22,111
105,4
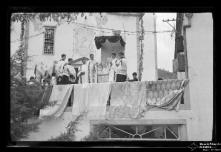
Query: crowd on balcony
x,y
64,72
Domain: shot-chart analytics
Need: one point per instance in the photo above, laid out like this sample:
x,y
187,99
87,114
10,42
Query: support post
x,y
155,44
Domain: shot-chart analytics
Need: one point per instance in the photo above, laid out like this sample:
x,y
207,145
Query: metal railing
x,y
137,132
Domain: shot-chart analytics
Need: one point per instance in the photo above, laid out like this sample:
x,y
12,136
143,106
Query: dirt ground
x,y
54,127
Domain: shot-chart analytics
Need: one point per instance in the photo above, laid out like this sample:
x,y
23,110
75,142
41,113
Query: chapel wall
x,y
200,68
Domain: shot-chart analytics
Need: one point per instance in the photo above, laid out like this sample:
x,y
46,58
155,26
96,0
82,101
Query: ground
x,y
54,127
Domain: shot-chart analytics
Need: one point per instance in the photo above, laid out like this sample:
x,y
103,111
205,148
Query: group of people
x,y
65,73
118,69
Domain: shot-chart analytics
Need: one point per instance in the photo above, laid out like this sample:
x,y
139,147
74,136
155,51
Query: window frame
x,y
45,28
181,124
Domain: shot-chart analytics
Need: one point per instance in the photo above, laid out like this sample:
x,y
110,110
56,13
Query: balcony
x,y
127,122
155,92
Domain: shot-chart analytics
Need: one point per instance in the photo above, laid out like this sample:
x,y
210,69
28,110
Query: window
x,y
49,40
138,132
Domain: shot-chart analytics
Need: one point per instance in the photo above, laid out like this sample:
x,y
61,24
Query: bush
x,y
94,134
25,103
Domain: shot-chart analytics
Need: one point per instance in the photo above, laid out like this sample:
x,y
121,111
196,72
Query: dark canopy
x,y
113,39
79,60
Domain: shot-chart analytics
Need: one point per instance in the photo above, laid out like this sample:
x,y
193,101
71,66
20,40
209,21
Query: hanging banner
x,y
57,102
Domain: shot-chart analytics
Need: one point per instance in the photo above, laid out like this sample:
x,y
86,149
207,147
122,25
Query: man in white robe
x,y
60,65
59,69
112,70
83,72
69,69
121,74
92,70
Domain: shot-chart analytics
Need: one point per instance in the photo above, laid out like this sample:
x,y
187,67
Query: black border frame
x,y
16,7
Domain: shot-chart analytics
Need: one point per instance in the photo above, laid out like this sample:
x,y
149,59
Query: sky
x,y
165,43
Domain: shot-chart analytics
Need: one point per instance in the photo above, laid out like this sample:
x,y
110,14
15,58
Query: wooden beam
x,y
128,14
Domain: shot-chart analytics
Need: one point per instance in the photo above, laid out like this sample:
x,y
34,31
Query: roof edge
x,y
128,14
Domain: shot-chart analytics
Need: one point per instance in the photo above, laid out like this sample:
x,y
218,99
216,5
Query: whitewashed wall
x,y
200,62
76,41
73,38
149,60
118,22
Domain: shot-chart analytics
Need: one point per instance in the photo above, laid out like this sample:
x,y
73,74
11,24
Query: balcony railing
x,y
157,89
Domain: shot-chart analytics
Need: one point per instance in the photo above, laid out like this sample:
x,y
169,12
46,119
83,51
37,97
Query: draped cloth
x,y
132,99
166,95
91,98
47,94
126,100
160,92
58,101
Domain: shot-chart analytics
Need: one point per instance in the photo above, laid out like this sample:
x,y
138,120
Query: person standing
x,y
53,79
69,69
92,70
121,73
60,68
83,72
47,77
134,77
112,71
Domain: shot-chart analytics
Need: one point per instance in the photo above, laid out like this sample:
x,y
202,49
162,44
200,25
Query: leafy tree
x,y
25,101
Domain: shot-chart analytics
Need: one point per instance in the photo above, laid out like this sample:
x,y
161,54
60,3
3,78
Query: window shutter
x,y
179,44
181,62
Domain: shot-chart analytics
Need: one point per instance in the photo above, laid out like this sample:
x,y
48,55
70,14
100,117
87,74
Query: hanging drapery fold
x,y
126,100
112,39
166,95
58,101
46,95
132,100
91,98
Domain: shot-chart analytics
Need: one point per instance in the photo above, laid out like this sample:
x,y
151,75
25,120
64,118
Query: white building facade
x,y
196,64
77,39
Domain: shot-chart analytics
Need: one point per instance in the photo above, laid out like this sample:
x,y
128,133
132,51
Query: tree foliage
x,y
25,17
25,101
